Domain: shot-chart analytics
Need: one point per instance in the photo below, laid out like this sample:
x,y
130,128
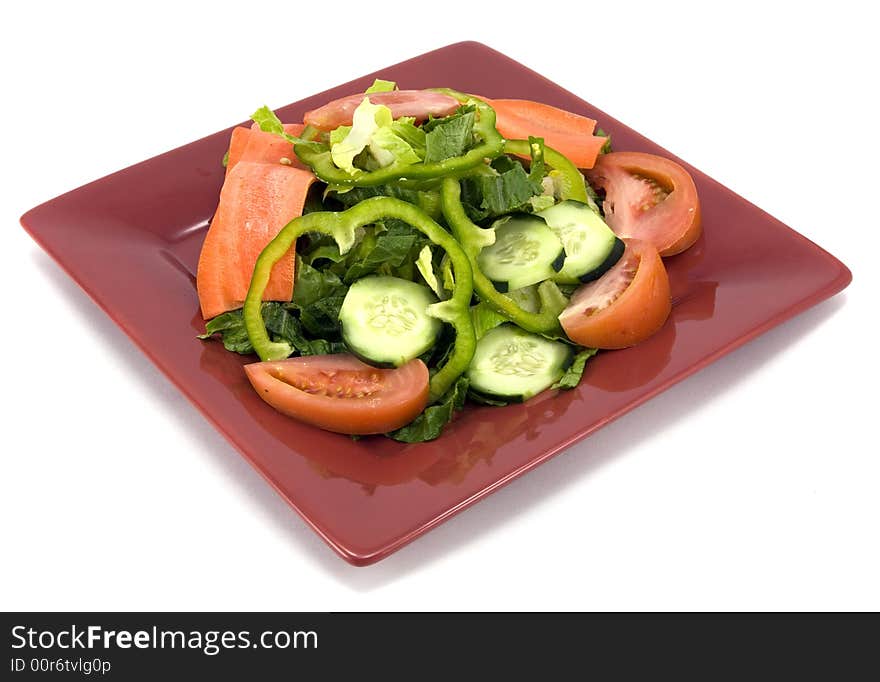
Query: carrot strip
x,y
568,133
257,200
252,144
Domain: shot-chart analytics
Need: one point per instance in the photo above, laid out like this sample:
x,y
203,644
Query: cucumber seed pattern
x,y
391,314
516,249
573,238
520,358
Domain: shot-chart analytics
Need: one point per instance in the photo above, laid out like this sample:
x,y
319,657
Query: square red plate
x,y
131,241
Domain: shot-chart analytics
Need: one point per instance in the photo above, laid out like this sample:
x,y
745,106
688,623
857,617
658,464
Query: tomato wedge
x,y
342,394
568,133
417,103
650,198
623,307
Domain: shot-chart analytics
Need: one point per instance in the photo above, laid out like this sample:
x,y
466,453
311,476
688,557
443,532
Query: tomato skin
x,y
635,208
634,315
342,394
417,103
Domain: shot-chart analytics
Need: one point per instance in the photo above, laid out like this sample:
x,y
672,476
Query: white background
x,y
753,485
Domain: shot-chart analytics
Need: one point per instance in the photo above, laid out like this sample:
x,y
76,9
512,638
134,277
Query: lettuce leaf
x,y
281,324
372,131
337,135
390,143
270,123
537,168
607,146
406,129
230,327
498,189
321,318
429,424
313,285
380,85
450,136
446,273
484,318
346,142
526,298
540,202
425,265
575,371
391,249
427,200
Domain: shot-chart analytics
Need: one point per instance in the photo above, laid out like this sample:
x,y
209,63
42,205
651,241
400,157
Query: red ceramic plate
x,y
131,241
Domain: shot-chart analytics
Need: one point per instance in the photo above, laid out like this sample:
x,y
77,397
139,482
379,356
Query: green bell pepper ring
x,y
341,226
309,133
573,183
473,239
317,157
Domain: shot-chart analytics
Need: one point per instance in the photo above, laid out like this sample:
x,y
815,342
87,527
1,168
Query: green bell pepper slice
x,y
317,157
309,133
473,239
341,226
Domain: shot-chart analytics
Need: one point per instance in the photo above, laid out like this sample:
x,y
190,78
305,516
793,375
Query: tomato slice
x,y
342,394
650,198
623,307
417,103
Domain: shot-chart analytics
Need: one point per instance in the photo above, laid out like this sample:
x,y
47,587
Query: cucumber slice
x,y
515,365
616,252
385,321
526,251
588,241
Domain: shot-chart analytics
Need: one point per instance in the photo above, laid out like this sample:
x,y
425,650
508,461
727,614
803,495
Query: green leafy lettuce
x,y
270,123
388,248
406,129
446,273
380,85
485,318
498,189
607,146
425,266
537,169
427,200
449,136
282,325
429,424
371,131
230,327
540,202
384,252
313,285
575,371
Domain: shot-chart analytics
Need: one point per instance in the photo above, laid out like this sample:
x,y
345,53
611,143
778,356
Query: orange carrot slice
x,y
237,144
256,201
568,133
252,144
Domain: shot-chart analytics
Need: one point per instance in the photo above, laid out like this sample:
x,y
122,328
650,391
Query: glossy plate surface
x,y
131,241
